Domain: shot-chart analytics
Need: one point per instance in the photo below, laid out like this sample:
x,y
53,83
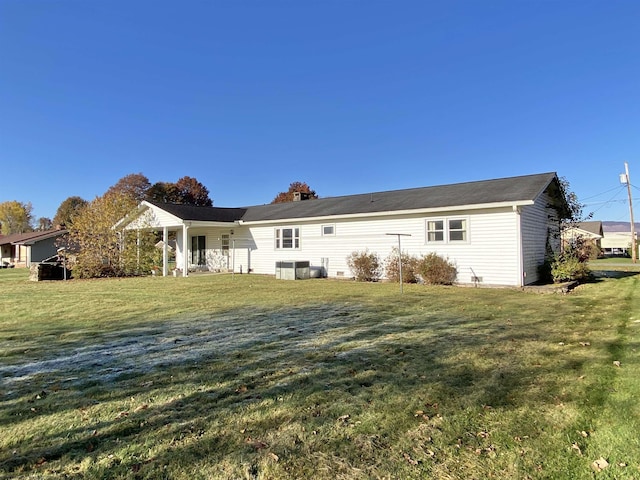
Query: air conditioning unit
x,y
292,270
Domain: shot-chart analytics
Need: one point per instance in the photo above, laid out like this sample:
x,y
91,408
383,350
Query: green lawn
x,y
245,376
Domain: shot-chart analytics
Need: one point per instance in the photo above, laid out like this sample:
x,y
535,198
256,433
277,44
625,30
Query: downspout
x,y
521,273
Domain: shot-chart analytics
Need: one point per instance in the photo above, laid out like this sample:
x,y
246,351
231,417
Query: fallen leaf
x,y
599,465
257,444
344,418
241,389
585,344
576,447
141,407
584,434
122,415
274,456
616,363
408,458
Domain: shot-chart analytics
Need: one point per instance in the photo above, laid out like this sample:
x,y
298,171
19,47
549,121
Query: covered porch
x,y
204,236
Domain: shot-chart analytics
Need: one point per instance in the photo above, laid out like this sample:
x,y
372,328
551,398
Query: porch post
x,y
185,250
165,254
137,248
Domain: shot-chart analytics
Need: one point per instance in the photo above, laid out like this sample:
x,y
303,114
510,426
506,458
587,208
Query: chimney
x,y
299,196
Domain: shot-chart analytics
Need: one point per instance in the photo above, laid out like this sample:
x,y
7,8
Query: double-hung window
x,y
447,230
435,231
287,238
457,230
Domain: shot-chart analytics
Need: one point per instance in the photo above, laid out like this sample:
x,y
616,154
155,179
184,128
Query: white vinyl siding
x,y
539,225
489,253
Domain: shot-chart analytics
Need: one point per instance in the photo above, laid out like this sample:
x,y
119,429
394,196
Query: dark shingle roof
x,y
503,190
30,237
204,214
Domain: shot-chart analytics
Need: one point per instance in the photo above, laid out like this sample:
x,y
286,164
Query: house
x,y
496,232
617,243
590,231
23,249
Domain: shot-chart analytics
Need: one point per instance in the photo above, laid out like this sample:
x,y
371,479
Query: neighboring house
x,y
590,231
616,243
496,232
23,249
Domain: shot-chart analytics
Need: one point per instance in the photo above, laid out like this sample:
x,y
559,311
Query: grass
x,y
251,377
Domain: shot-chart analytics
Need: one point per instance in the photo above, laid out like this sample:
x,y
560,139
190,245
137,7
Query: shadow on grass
x,y
219,388
603,273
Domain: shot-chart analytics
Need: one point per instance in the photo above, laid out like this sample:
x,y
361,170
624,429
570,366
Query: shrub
x,y
365,266
567,267
409,267
436,270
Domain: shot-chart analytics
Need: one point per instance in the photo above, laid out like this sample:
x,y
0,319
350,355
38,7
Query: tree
x,y
164,192
44,223
68,210
134,185
295,187
570,263
187,191
15,217
97,242
192,192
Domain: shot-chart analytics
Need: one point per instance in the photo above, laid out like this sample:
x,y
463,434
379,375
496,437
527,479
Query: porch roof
x,y
202,214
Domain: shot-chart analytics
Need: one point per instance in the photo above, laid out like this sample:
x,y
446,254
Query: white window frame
x,y
225,244
436,230
447,231
279,238
332,226
464,230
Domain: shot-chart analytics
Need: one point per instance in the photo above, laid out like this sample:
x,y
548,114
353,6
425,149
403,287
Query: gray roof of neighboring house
x,y
30,238
504,190
594,227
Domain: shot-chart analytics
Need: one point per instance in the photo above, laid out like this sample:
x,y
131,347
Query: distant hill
x,y
609,226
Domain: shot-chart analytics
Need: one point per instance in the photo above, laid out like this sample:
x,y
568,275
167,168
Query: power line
x,y
619,188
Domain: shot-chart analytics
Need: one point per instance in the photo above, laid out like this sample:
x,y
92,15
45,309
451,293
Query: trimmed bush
x,y
365,266
436,270
409,267
568,267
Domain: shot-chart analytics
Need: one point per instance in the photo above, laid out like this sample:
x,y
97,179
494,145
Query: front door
x,y
198,251
225,243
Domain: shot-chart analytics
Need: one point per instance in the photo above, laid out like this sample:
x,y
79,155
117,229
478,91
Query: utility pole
x,y
627,180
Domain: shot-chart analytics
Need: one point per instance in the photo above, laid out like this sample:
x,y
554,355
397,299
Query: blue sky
x,y
349,96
